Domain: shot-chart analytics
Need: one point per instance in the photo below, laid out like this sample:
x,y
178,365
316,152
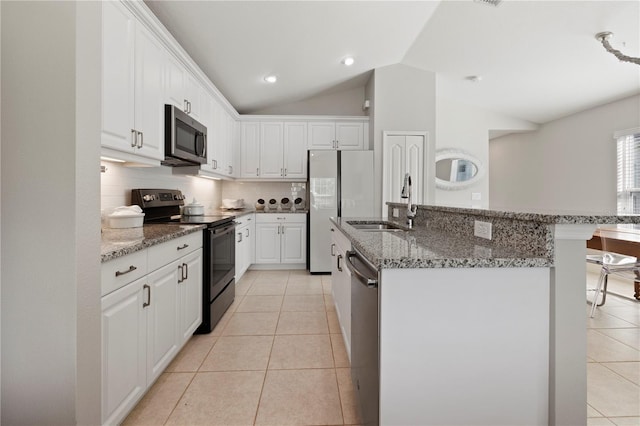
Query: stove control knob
x,y
176,197
148,197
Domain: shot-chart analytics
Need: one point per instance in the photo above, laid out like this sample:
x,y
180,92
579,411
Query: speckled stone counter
x,y
120,242
424,248
443,237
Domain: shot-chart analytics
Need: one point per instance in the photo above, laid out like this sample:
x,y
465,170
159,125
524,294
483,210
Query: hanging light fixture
x,y
603,38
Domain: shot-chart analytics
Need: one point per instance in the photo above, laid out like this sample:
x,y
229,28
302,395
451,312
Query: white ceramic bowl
x,y
193,210
133,220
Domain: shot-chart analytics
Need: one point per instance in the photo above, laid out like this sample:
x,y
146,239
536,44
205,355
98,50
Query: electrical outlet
x,y
395,212
482,229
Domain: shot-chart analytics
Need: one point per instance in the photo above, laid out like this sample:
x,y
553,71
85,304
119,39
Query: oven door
x,y
222,257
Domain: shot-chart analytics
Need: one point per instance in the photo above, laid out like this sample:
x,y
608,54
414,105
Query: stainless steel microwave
x,y
185,139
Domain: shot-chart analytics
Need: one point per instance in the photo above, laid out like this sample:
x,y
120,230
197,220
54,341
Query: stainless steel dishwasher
x,y
365,352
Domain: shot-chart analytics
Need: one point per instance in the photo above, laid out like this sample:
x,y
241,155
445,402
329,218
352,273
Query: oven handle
x,y
219,232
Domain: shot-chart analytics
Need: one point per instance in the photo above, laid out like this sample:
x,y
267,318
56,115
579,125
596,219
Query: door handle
x,y
247,232
141,143
131,269
369,282
148,302
134,138
333,246
185,270
338,265
181,274
239,237
182,247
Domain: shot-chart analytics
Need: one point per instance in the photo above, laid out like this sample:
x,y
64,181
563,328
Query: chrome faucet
x,y
406,193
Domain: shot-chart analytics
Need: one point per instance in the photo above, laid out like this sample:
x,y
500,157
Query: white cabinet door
x,y
149,105
241,244
174,82
162,317
341,285
247,253
349,136
124,345
250,150
190,290
193,95
118,41
293,243
322,135
232,136
267,243
271,144
295,150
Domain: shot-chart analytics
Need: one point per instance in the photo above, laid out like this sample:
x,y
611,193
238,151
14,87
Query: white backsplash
x,y
118,181
252,191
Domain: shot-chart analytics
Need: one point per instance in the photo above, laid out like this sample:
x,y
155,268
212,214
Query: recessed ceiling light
x,y
348,61
271,79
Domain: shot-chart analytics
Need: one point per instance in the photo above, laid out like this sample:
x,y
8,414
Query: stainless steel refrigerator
x,y
340,184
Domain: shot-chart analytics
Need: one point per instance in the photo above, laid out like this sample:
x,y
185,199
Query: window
x,y
628,146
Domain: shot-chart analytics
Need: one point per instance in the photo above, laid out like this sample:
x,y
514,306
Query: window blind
x,y
628,166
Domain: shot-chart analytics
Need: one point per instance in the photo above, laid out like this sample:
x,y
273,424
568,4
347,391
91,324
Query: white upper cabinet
x,y
274,150
132,67
250,150
181,88
295,150
336,135
271,146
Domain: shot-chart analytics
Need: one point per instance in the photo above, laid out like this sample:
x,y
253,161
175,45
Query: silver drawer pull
x,y
131,269
184,246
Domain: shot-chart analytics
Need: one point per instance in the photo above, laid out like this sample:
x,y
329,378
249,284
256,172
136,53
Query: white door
x,y
271,146
322,135
293,243
406,152
241,245
267,243
118,36
191,294
162,319
149,104
295,150
124,345
349,136
250,150
174,82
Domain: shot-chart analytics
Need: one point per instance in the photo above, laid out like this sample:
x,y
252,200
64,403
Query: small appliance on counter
x,y
193,209
219,248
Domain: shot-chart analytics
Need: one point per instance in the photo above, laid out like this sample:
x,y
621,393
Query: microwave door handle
x,y
204,150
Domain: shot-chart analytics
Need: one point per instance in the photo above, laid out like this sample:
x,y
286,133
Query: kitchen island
x,y
476,331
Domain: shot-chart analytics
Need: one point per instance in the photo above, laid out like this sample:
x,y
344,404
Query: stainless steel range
x,y
163,206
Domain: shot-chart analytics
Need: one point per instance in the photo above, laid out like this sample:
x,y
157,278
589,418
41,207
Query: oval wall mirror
x,y
456,169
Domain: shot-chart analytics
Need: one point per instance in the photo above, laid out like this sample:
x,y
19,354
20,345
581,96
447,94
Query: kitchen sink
x,y
375,226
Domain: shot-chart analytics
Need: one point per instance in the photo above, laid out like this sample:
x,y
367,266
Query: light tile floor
x,y
276,358
613,356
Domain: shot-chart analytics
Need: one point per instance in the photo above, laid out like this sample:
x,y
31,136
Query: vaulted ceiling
x,y
536,60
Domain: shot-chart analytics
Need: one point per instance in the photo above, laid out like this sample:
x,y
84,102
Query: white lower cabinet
x,y
341,284
147,320
281,238
244,243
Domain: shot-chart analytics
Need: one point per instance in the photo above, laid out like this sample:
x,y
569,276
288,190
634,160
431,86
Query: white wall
x,y
346,102
466,127
118,181
404,100
49,178
569,164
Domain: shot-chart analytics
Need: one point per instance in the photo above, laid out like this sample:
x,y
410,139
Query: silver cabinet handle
x,y
181,273
230,170
338,265
337,144
148,302
189,107
247,232
285,171
182,247
134,139
281,172
333,246
185,270
239,237
139,145
185,106
131,269
258,171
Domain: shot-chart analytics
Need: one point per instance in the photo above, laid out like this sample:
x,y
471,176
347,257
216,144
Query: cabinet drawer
x,y
123,270
340,239
281,218
244,220
165,253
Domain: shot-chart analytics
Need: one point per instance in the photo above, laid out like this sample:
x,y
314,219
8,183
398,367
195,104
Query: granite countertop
x,y
246,211
422,248
120,242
